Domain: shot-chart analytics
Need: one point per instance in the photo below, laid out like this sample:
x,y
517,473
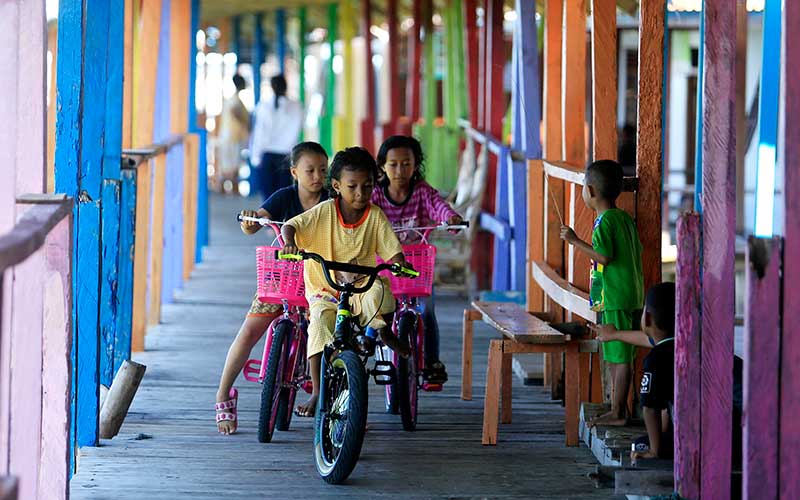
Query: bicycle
x,y
409,326
283,367
341,414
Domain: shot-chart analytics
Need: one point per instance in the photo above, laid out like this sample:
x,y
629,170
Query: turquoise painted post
x,y
258,55
110,332
236,38
326,121
127,235
280,30
768,119
199,129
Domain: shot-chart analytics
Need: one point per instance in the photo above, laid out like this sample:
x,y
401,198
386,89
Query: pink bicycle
x,y
409,326
283,367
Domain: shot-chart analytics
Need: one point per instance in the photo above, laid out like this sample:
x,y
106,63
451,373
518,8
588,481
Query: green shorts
x,y
616,351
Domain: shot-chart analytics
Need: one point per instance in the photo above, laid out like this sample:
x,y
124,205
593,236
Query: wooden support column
x,y
414,79
471,54
790,341
395,90
127,231
368,124
52,48
280,33
302,18
687,358
719,235
604,79
762,344
649,136
159,164
326,124
258,56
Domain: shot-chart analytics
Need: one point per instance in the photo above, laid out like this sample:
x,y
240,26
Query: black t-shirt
x,y
657,390
285,203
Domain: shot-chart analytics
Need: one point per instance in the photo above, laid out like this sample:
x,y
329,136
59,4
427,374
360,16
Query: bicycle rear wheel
x,y
341,417
407,373
289,393
273,382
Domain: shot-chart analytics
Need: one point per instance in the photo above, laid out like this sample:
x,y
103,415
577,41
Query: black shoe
x,y
435,374
365,344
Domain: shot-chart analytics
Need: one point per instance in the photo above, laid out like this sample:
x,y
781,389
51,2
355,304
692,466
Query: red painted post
x,y
414,81
394,57
719,234
368,124
790,343
761,366
687,358
471,47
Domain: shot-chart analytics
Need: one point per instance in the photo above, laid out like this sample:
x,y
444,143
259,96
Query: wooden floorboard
x,y
168,447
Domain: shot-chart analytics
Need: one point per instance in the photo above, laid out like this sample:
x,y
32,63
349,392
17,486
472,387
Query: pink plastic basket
x,y
279,279
422,257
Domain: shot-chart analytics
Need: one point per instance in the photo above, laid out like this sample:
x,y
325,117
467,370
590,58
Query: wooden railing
x,y
35,345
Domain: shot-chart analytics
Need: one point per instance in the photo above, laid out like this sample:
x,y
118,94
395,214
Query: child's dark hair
x,y
355,159
304,148
402,141
605,176
660,304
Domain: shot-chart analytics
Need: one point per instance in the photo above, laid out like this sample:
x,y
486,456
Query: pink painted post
x,y
790,342
31,101
761,366
719,234
687,357
57,334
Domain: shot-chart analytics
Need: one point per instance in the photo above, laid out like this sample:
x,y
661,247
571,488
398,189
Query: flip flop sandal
x,y
226,410
304,415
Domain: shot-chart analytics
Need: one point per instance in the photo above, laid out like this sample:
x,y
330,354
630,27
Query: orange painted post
x,y
191,146
157,238
491,404
536,242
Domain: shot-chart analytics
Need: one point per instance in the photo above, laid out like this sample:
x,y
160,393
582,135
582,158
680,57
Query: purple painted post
x,y
790,342
761,366
719,234
687,357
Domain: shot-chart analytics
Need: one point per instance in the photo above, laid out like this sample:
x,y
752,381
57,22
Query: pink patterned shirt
x,y
424,207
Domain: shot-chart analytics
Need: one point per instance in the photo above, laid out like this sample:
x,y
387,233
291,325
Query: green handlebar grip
x,y
289,256
409,272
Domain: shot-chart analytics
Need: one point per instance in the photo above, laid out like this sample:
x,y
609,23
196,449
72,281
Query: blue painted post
x,y
698,141
258,55
501,275
280,30
127,232
109,284
197,128
768,119
236,37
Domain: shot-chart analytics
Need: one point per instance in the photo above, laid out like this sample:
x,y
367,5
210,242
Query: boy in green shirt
x,y
617,283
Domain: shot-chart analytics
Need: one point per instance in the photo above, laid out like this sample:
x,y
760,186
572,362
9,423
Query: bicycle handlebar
x,y
330,265
425,231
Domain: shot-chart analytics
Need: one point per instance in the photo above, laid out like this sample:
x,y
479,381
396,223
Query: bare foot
x,y
395,344
308,408
610,419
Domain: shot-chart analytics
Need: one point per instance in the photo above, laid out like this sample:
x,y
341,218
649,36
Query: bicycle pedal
x,y
252,370
383,372
432,387
307,386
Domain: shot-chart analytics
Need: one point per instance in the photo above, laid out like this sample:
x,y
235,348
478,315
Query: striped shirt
x,y
423,207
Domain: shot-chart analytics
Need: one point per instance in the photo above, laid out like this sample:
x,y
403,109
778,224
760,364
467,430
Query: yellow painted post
x,y
157,239
348,18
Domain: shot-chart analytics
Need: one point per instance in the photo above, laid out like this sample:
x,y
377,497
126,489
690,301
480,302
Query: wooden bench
x,y
523,333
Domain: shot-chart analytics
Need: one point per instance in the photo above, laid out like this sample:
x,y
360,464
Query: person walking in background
x,y
234,131
277,127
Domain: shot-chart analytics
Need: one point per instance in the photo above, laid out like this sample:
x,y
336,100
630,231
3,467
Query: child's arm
x,y
438,208
289,245
250,227
568,235
652,422
607,333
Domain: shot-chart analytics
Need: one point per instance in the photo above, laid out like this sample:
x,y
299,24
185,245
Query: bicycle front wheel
x,y
407,374
273,382
341,417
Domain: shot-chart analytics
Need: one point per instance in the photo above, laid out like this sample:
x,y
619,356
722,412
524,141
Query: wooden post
x,y
471,49
119,398
470,315
157,239
790,341
280,33
326,124
491,404
572,400
190,147
760,435
52,48
258,55
604,79
687,439
127,229
536,223
507,374
719,234
368,124
395,90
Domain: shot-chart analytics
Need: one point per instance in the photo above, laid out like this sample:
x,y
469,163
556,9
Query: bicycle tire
x,y
347,437
271,386
289,394
407,389
390,391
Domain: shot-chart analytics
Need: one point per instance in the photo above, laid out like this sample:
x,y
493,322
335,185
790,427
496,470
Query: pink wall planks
x,y
761,367
719,233
790,347
687,358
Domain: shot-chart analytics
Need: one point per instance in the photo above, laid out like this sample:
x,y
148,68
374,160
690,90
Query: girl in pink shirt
x,y
409,201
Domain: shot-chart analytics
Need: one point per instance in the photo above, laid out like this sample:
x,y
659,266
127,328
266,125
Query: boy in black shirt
x,y
656,391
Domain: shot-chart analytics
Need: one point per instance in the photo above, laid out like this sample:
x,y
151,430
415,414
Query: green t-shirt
x,y
618,286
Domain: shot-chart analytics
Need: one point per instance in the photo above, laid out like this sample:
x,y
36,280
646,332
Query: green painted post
x,y
302,62
326,122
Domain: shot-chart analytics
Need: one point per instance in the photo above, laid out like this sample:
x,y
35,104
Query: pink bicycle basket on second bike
x,y
279,280
422,258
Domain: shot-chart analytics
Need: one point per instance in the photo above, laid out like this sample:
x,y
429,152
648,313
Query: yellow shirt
x,y
322,230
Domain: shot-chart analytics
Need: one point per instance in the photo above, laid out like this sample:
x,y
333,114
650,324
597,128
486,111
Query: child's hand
x,y
247,225
289,248
455,220
605,333
568,235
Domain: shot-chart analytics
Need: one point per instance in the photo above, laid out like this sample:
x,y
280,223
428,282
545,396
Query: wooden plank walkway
x,y
169,447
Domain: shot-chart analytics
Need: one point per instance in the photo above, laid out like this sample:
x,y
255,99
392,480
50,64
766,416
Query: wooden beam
x,y
604,79
790,341
760,435
687,358
563,293
649,136
719,235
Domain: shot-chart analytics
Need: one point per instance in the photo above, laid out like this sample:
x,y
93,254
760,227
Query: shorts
x,y
616,351
368,307
260,309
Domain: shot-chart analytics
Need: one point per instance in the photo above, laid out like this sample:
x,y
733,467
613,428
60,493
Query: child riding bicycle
x,y
347,228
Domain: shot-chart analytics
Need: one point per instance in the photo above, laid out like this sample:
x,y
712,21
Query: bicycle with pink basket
x,y
283,367
409,325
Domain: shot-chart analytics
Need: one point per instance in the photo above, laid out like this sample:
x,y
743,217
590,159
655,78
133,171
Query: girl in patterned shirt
x,y
409,201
